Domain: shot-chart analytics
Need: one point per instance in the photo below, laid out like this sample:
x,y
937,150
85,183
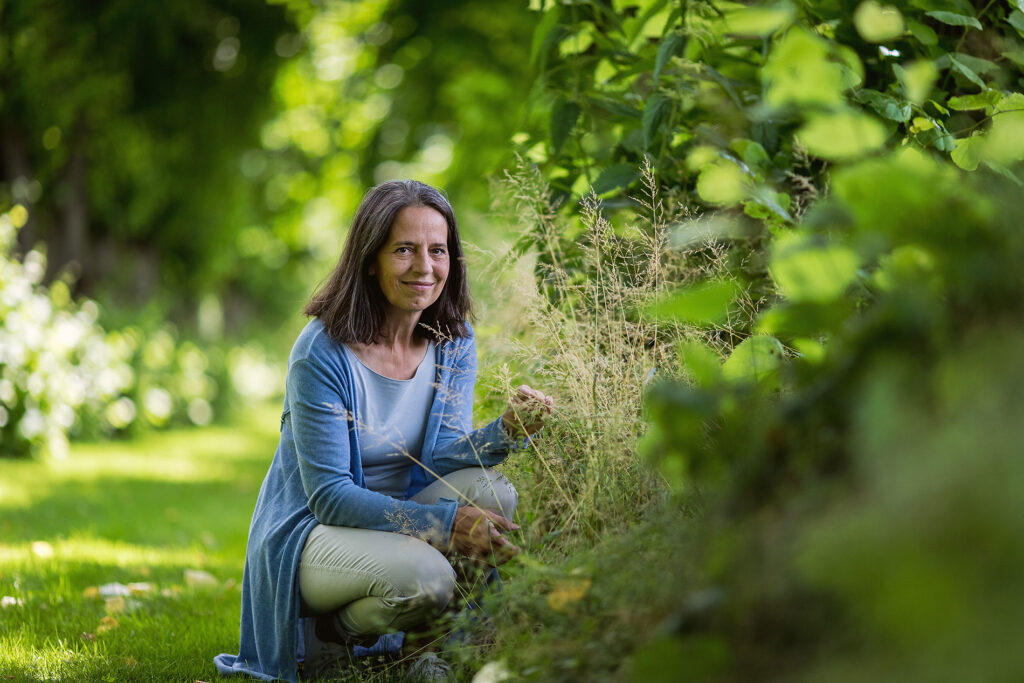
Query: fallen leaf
x,y
116,605
197,578
567,592
130,661
42,549
107,623
92,592
88,636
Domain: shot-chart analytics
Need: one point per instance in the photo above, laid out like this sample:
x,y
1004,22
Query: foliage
x,y
125,126
54,358
744,107
62,375
596,355
849,469
382,90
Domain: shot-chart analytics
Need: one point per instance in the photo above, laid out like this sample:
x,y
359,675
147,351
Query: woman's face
x,y
412,266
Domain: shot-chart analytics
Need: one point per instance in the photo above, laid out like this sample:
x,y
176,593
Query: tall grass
x,y
586,338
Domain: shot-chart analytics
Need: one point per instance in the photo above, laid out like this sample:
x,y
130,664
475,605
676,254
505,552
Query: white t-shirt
x,y
391,419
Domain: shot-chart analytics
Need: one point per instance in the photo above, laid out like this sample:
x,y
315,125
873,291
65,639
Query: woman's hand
x,y
476,533
527,410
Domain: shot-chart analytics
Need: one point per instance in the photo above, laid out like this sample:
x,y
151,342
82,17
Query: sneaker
x,y
429,668
323,656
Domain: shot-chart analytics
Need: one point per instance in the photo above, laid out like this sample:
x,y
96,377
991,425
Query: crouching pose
x,y
379,476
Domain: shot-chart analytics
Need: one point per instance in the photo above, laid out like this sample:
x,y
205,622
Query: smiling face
x,y
412,266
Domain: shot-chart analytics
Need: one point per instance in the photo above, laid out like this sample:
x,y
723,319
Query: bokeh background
x,y
765,256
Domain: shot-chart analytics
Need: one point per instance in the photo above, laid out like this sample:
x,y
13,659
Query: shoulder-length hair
x,y
351,305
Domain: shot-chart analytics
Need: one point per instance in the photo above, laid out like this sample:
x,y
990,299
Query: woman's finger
x,y
501,522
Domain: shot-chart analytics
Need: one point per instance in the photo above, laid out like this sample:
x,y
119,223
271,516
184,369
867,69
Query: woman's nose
x,y
422,262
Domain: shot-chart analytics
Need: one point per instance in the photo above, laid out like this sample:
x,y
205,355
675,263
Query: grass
x,y
141,511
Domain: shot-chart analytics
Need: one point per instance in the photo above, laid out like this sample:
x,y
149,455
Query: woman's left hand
x,y
527,411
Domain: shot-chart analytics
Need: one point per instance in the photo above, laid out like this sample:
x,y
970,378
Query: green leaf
x,y
842,136
751,152
722,183
654,115
917,79
543,35
968,152
759,21
701,363
1016,20
976,64
967,72
810,273
755,359
799,73
1012,102
614,177
1015,56
702,304
1006,135
775,203
802,319
877,23
672,45
982,100
564,115
923,32
616,108
954,19
886,105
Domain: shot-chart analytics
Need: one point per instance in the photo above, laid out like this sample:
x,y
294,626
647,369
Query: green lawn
x,y
140,511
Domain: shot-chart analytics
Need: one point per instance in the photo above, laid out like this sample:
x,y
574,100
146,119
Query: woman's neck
x,y
398,352
398,332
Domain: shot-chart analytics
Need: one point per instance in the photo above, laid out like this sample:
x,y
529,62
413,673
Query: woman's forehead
x,y
419,224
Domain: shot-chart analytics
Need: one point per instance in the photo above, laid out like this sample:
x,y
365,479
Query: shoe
x,y
429,668
322,654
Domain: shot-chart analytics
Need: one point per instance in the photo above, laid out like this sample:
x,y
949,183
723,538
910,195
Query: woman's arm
x,y
458,445
320,427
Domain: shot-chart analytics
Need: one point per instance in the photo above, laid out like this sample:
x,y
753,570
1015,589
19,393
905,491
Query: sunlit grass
x,y
140,511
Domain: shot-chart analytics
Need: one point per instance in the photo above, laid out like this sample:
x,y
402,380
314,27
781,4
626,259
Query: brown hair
x,y
351,305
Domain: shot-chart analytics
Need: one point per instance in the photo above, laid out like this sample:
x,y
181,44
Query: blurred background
x,y
180,176
765,255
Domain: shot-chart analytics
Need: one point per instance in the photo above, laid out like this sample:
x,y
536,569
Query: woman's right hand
x,y
476,533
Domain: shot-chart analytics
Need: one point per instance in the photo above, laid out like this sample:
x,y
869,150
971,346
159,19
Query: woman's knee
x,y
428,581
501,491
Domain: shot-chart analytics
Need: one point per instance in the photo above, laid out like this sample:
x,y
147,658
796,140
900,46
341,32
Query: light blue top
x,y
393,419
316,476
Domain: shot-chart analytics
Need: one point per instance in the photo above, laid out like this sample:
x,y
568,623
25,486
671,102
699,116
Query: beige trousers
x,y
378,581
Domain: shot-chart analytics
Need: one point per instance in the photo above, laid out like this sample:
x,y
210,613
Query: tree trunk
x,y
72,248
15,166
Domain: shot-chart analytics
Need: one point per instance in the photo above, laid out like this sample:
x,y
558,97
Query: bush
x,y
62,375
55,360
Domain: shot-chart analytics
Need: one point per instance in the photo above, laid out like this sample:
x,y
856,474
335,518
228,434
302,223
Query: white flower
x,y
158,404
32,424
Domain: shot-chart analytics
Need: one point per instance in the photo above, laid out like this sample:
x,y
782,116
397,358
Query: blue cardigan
x,y
316,477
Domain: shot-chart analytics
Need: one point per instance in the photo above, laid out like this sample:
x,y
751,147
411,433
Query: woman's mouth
x,y
420,286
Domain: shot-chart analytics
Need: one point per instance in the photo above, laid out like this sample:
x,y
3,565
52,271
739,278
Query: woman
x,y
378,475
